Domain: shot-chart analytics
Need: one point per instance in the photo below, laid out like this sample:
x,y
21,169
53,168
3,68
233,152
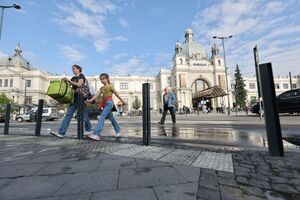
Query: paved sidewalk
x,y
48,168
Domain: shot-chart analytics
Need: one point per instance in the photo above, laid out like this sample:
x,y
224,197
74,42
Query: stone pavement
x,y
48,168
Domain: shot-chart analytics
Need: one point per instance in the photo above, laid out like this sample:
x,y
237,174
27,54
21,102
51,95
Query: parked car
x,y
48,114
2,117
287,102
23,117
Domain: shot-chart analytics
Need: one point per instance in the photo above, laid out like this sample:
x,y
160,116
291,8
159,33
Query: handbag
x,y
102,104
61,91
85,90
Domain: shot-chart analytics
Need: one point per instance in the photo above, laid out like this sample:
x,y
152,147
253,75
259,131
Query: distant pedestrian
x,y
107,104
169,101
76,81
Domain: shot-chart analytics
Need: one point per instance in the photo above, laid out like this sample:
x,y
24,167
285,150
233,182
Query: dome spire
x,y
178,48
18,49
189,35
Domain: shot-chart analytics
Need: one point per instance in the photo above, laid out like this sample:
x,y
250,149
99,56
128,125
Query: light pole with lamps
x,y
16,6
223,38
25,91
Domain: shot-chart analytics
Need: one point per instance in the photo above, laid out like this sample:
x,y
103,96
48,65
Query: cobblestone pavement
x,y
48,168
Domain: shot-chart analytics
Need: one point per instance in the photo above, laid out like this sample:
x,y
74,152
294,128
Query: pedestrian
x,y
169,101
106,102
76,81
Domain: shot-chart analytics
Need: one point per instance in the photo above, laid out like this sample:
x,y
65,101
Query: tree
x,y
136,104
239,88
4,100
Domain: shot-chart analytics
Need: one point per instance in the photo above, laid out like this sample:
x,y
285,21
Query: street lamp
x,y
223,38
25,95
16,6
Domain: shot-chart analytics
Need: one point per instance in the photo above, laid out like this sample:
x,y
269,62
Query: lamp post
x,y
25,91
16,6
223,38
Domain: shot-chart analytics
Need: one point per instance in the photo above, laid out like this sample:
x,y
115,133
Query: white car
x,y
23,117
48,114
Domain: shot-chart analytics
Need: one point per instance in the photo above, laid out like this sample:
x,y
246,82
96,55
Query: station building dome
x,y
191,48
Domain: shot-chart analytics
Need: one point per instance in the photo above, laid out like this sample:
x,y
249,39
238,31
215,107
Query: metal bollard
x,y
39,116
7,119
80,108
146,114
273,127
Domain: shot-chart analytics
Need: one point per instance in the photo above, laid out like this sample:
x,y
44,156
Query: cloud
x,y
144,65
123,22
88,22
120,38
99,6
252,22
71,53
131,65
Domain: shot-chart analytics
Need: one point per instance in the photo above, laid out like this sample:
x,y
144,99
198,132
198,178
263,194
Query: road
x,y
221,131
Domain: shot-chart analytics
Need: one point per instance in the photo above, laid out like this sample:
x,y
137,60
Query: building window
x,y
5,82
123,86
252,86
11,83
169,81
277,86
219,62
28,83
181,61
252,99
151,86
285,86
175,82
0,82
294,85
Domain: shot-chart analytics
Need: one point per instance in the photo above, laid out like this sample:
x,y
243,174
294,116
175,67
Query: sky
x,y
138,37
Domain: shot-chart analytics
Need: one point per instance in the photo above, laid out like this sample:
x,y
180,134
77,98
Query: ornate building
x,y
194,77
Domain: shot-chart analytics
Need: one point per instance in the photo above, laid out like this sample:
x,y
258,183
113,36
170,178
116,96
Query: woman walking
x,y
107,104
76,81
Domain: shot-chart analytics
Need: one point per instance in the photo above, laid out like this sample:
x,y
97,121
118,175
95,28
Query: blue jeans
x,y
106,113
70,112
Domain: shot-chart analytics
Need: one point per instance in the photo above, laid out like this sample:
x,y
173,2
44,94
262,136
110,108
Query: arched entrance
x,y
197,86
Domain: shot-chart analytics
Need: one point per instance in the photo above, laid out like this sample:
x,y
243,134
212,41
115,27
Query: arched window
x,y
219,62
181,61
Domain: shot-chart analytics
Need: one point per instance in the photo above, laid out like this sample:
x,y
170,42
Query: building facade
x,y
193,77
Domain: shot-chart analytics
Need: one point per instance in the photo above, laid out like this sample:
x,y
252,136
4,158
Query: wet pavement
x,y
235,132
213,157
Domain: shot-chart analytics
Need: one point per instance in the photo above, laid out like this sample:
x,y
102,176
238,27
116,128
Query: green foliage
x,y
3,101
239,88
136,104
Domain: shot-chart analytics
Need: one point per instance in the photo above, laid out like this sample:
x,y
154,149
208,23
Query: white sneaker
x,y
86,133
117,135
55,133
94,137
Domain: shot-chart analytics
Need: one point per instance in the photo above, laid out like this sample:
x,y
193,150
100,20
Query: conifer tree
x,y
239,89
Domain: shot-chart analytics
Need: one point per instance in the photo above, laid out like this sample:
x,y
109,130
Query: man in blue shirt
x,y
169,101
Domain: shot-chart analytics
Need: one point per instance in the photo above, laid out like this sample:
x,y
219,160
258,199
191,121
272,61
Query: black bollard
x,y
274,136
38,117
146,115
7,119
80,108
